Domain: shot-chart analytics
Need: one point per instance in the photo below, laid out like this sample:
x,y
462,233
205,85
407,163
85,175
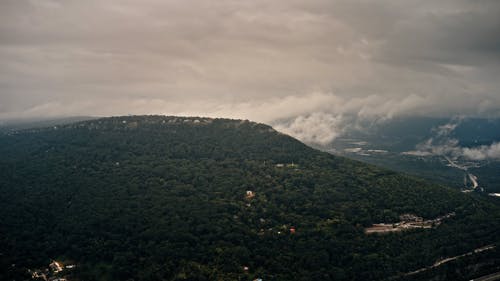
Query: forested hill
x,y
177,198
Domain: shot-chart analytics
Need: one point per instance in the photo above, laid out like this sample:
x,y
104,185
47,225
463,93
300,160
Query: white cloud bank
x,y
444,145
483,152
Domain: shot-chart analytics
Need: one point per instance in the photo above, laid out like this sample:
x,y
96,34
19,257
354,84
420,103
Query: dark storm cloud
x,y
466,36
263,60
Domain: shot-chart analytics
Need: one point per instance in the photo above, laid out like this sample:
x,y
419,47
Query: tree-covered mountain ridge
x,y
193,198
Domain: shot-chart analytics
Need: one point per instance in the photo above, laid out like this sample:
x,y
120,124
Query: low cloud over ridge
x,y
316,128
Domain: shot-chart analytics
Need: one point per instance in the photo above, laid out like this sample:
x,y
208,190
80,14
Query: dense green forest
x,y
165,198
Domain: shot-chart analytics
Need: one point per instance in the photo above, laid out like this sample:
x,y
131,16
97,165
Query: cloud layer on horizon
x,y
258,60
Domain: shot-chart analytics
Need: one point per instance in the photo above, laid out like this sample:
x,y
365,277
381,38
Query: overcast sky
x,y
312,61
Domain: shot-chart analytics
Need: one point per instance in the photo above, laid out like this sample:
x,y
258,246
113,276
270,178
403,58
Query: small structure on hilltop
x,y
38,274
55,267
410,218
287,165
250,194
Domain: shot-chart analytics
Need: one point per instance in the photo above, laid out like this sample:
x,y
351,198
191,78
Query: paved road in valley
x,y
491,277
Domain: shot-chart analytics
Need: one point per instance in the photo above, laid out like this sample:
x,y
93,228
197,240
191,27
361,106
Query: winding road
x,y
490,277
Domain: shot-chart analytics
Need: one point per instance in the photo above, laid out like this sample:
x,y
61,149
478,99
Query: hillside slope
x,y
176,198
